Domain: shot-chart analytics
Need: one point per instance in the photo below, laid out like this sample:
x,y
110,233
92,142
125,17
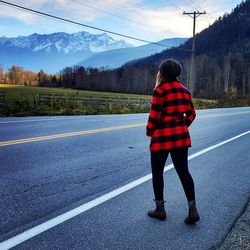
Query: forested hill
x,y
230,33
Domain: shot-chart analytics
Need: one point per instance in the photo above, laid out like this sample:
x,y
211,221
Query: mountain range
x,y
53,52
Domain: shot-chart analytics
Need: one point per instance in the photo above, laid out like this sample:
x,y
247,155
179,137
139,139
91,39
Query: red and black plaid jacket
x,y
171,114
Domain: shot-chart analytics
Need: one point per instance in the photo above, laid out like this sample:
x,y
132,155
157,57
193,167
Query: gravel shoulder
x,y
239,237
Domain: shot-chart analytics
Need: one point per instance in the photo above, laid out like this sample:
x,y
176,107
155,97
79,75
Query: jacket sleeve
x,y
155,112
191,114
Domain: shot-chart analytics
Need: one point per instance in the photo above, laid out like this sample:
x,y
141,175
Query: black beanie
x,y
170,68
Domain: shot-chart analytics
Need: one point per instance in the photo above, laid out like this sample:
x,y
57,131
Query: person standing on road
x,y
171,114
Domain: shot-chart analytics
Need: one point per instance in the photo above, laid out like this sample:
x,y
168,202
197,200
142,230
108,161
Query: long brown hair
x,y
162,79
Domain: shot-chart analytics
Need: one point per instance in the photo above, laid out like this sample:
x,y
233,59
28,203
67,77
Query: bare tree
x,y
226,72
2,74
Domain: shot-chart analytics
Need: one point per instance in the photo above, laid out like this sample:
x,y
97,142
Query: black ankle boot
x,y
193,215
159,212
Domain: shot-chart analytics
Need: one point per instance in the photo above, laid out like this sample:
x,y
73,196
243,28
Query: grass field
x,y
24,100
18,92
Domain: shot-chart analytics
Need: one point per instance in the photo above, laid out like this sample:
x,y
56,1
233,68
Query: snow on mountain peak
x,y
64,43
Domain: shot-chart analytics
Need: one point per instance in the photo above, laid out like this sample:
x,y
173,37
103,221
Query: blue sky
x,y
146,19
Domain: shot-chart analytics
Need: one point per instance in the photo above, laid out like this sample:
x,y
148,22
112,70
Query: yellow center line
x,y
93,131
57,136
220,115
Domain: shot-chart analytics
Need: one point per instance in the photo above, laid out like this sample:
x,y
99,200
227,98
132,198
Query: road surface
x,y
100,178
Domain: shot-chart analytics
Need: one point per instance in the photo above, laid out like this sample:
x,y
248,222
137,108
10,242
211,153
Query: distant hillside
x,y
116,58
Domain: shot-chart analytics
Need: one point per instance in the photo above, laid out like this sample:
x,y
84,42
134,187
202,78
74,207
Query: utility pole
x,y
194,15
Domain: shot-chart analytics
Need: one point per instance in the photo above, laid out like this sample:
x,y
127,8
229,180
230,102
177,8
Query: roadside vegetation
x,y
18,100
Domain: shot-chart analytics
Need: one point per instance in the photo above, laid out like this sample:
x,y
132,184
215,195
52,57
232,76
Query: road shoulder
x,y
239,236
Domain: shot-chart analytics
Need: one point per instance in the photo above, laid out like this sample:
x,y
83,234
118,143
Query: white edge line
x,y
37,120
16,240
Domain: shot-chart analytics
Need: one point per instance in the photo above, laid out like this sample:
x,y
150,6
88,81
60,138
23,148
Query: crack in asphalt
x,y
37,186
74,183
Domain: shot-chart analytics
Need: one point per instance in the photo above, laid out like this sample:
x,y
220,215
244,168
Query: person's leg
x,y
180,160
158,159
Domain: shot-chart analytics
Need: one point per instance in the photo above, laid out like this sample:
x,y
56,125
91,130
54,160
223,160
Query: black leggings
x,y
180,160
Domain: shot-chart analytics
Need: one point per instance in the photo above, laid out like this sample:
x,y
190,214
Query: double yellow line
x,y
58,136
93,131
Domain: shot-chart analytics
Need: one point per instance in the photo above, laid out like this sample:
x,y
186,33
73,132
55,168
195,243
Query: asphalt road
x,y
43,179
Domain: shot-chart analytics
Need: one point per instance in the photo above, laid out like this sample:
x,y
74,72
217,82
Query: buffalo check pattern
x,y
172,111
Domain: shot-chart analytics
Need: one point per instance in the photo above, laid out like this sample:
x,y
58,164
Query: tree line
x,y
19,76
214,77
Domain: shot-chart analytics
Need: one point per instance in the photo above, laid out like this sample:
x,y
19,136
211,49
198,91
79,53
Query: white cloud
x,y
71,9
6,11
151,21
170,22
166,21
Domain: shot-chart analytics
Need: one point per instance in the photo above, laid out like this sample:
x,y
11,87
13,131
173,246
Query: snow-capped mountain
x,y
52,52
65,43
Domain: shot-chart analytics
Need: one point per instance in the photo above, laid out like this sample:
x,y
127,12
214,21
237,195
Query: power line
x,y
190,5
115,15
85,25
176,6
196,4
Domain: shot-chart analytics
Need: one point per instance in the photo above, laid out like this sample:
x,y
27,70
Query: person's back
x,y
176,98
171,113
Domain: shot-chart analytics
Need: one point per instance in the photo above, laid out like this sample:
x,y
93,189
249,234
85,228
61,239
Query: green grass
x,y
205,103
18,93
23,100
